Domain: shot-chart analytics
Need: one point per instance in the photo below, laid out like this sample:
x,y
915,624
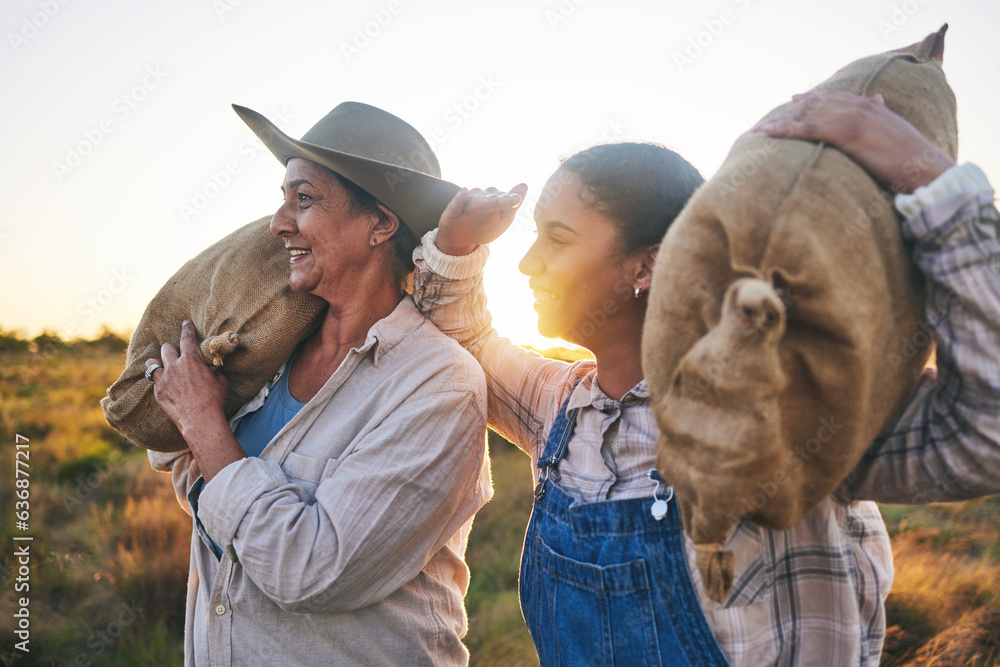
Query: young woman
x,y
606,574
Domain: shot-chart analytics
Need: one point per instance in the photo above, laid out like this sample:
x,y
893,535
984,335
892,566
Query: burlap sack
x,y
247,318
780,333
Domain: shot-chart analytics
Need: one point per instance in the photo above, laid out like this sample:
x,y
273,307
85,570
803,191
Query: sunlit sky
x,y
122,157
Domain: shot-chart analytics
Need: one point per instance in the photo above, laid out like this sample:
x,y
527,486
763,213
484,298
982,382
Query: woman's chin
x,y
550,329
300,285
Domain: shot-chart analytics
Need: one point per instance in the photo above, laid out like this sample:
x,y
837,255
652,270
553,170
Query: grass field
x,y
109,557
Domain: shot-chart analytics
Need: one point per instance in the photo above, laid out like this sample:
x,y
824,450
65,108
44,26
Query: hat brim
x,y
417,198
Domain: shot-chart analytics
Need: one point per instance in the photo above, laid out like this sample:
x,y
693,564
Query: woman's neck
x,y
343,327
619,361
346,325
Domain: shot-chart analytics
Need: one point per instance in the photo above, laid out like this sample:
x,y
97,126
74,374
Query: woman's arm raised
x,y
524,389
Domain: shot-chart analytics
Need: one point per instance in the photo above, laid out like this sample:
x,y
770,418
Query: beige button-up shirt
x,y
344,542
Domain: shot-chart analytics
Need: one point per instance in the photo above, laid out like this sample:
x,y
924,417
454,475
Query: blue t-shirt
x,y
258,428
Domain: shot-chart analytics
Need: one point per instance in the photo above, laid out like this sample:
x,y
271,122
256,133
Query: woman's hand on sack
x,y
185,387
474,217
894,152
194,397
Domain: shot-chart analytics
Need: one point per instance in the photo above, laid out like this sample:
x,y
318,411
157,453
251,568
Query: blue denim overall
x,y
606,583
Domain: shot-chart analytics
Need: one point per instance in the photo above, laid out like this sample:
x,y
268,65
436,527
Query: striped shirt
x,y
813,594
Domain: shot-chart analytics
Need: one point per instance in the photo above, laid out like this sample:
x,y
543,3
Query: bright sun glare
x,y
130,160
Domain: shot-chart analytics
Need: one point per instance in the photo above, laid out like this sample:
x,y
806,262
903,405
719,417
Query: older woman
x,y
331,513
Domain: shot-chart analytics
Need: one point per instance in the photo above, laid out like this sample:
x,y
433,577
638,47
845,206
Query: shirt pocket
x,y
307,471
753,572
744,623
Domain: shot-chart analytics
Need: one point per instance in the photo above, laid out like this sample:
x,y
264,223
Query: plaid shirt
x,y
815,593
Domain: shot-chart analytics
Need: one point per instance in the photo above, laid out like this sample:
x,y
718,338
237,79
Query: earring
x,y
638,291
373,243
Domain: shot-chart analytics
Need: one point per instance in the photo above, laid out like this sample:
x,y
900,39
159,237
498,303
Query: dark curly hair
x,y
640,186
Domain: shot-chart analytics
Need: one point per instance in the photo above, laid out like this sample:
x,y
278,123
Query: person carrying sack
x,y
606,576
331,513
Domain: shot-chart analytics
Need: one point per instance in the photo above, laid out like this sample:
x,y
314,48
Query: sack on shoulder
x,y
786,323
247,318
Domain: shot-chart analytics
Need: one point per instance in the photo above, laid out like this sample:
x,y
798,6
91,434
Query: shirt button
x,y
220,609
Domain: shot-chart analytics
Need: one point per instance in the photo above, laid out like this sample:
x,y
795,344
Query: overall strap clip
x,y
543,476
556,443
660,506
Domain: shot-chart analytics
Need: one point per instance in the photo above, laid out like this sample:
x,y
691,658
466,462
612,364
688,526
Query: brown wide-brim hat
x,y
380,153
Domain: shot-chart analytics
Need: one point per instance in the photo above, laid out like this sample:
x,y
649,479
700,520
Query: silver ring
x,y
150,370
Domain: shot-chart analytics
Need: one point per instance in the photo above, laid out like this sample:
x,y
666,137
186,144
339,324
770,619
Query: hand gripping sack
x,y
785,323
247,318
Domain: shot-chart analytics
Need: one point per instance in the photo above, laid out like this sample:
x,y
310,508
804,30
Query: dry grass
x,y
497,634
111,544
110,548
944,608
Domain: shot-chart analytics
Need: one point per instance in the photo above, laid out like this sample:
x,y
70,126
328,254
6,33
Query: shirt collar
x,y
588,392
390,331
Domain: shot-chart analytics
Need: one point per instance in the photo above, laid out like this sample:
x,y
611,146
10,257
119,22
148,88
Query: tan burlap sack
x,y
779,336
247,318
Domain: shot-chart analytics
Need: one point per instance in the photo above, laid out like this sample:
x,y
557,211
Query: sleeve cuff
x,y
225,501
451,266
192,498
960,179
163,461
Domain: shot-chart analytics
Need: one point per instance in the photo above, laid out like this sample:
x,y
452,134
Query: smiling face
x,y
583,284
327,240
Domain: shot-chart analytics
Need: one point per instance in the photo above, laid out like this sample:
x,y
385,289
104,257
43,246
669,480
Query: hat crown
x,y
369,132
380,153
